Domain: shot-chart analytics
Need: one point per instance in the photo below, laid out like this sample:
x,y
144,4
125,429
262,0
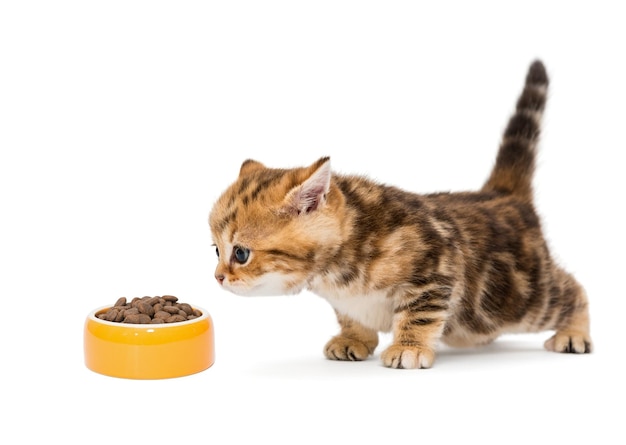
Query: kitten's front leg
x,y
418,323
355,342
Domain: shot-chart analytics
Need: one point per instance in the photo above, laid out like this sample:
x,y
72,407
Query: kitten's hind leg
x,y
572,323
355,342
574,337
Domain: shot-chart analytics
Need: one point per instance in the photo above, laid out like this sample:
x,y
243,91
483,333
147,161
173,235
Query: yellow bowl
x,y
148,351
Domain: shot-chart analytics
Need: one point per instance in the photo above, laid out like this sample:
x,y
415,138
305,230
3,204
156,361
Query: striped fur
x,y
462,268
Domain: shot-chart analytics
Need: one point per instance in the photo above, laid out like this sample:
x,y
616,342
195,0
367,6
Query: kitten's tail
x,y
515,162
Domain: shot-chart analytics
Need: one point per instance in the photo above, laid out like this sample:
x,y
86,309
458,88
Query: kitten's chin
x,y
267,286
265,291
254,292
259,291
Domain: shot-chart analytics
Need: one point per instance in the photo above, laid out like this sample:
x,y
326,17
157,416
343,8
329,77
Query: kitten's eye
x,y
217,252
241,254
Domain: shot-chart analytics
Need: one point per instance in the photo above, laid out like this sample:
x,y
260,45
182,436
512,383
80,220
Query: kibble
x,y
149,310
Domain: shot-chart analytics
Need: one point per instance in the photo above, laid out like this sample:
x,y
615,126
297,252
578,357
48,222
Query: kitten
x,y
462,268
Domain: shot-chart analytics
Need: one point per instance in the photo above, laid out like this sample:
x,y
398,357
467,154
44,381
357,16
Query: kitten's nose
x,y
219,278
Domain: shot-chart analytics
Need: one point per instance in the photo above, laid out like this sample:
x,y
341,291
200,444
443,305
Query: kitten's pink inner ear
x,y
308,196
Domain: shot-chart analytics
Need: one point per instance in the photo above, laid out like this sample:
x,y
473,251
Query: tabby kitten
x,y
462,268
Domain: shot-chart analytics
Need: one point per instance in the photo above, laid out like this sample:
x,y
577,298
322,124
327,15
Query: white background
x,y
122,121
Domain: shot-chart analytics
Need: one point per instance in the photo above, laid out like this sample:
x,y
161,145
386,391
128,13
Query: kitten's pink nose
x,y
219,278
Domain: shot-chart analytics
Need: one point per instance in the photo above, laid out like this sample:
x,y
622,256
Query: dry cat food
x,y
146,310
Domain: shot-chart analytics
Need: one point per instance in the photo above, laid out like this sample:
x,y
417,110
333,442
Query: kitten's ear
x,y
249,165
310,194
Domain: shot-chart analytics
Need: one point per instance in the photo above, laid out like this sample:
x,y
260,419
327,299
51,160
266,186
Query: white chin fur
x,y
270,284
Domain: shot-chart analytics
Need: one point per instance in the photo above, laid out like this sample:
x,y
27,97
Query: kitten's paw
x,y
569,341
407,357
342,348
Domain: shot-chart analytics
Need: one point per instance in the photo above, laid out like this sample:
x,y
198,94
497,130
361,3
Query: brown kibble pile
x,y
147,310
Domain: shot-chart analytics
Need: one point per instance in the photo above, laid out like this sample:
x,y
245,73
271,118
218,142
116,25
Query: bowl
x,y
148,351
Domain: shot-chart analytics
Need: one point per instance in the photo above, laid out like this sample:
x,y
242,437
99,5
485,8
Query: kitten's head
x,y
273,227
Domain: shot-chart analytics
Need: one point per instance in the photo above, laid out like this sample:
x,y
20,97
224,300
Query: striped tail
x,y
515,163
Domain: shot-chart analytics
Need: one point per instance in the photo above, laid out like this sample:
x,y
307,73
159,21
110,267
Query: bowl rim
x,y
92,316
